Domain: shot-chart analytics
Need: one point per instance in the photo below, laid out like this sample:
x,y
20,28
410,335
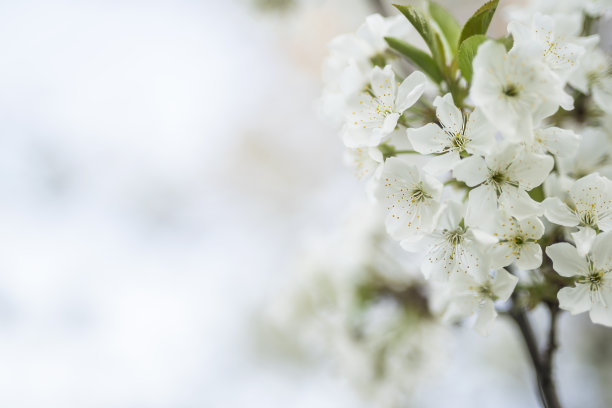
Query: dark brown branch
x,y
542,363
547,358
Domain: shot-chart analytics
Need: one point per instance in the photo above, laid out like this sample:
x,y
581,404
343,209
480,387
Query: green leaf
x,y
479,22
425,30
419,58
448,25
466,54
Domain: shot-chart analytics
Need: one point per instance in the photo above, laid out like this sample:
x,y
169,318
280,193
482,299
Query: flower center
x,y
454,238
485,291
588,218
510,90
594,280
497,179
458,142
419,194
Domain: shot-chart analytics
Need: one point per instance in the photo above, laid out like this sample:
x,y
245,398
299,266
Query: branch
x,y
547,359
542,364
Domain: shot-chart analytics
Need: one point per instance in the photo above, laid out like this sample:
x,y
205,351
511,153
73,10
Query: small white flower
x,y
411,199
595,74
352,56
549,40
518,241
593,155
477,294
373,115
457,133
505,177
515,90
590,204
452,247
593,289
369,40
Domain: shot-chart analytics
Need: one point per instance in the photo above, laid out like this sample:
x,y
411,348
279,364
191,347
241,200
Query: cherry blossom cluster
x,y
490,156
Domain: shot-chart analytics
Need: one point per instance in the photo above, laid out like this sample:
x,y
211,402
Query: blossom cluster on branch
x,y
490,156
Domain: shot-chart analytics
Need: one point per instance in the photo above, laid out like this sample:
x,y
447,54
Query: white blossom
x,y
518,242
592,291
504,176
456,134
549,39
514,90
411,198
590,204
594,75
346,70
451,248
476,294
369,40
593,155
373,115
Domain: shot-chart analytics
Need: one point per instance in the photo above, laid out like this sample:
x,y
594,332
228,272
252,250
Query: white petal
x,y
530,169
428,139
504,284
443,163
501,254
451,215
601,253
482,204
438,265
560,142
472,171
415,243
602,95
486,318
531,228
448,114
518,203
584,239
354,137
530,256
575,300
383,85
566,260
481,133
463,306
559,213
501,159
601,313
389,124
410,91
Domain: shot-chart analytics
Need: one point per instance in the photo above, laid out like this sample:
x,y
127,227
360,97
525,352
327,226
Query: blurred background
x,y
162,165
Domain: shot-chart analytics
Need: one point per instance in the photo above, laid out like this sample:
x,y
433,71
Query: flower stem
x,y
542,363
406,152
